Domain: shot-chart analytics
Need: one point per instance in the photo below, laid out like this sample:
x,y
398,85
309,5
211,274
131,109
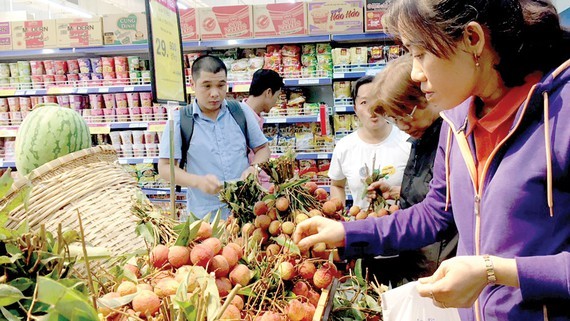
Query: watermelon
x,y
49,132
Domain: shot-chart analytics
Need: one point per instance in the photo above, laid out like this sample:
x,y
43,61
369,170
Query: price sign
x,y
309,81
7,92
99,129
156,127
60,90
167,68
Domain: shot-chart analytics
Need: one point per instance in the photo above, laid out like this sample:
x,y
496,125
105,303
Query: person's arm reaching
x,y
207,183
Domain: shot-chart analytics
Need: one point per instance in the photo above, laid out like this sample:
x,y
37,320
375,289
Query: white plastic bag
x,y
404,303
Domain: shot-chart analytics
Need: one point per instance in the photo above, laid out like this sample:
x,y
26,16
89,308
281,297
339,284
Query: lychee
x,y
311,187
323,278
178,256
126,288
201,255
187,273
393,208
313,213
260,235
159,256
282,204
262,221
355,209
288,228
247,229
133,269
146,303
237,301
219,265
240,275
213,243
274,228
338,202
286,271
238,248
307,270
314,297
295,310
204,232
231,313
273,249
166,288
301,289
321,194
224,286
144,286
301,217
329,208
231,256
272,213
260,208
361,215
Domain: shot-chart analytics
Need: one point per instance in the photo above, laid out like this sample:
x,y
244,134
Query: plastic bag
x,y
404,303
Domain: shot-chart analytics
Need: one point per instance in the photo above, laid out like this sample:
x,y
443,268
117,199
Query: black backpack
x,y
187,126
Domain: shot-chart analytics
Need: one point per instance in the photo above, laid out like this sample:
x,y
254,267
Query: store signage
x,y
167,68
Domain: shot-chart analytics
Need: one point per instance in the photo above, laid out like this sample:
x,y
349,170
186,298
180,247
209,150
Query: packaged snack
x,y
309,60
96,79
255,63
342,123
121,64
138,136
146,99
358,55
37,68
13,104
304,141
308,168
240,65
149,137
14,71
376,54
291,61
24,68
84,65
4,70
37,82
108,64
290,51
63,101
49,67
121,100
323,48
96,65
109,100
311,108
135,113
133,62
60,67
3,104
73,79
309,49
342,89
73,66
309,71
145,170
323,168
133,100
341,56
273,61
394,52
76,102
273,48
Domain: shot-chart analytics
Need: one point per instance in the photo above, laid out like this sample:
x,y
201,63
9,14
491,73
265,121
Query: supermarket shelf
x,y
291,119
314,155
356,71
262,41
162,191
73,90
6,164
138,160
293,82
101,128
344,108
363,37
162,200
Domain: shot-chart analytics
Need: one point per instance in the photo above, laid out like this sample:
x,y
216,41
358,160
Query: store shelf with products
x,y
357,71
343,105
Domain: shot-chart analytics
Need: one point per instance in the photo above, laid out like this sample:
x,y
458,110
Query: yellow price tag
x,y
8,132
156,127
7,92
99,129
166,51
241,88
60,90
190,90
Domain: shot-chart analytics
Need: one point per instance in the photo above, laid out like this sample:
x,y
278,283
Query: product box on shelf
x,y
35,34
226,22
5,36
333,17
188,24
373,12
79,32
280,19
125,29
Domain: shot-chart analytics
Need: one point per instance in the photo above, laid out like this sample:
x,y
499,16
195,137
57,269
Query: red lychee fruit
x,y
224,286
204,232
311,187
231,313
240,275
237,301
260,208
295,310
159,256
323,278
201,255
354,210
103,309
288,228
301,288
321,194
282,204
286,271
126,288
146,303
219,265
337,202
166,287
314,297
307,270
213,243
272,213
313,213
231,255
274,228
247,229
329,208
238,248
262,222
178,256
133,269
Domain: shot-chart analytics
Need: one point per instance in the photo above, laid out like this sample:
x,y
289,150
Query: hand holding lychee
x,y
319,229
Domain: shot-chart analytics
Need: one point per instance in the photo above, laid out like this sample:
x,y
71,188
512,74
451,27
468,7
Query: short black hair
x,y
263,79
209,64
356,85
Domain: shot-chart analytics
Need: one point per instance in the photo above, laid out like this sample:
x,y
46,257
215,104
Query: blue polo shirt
x,y
218,148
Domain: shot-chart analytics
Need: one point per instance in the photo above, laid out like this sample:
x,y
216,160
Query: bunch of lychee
x,y
360,214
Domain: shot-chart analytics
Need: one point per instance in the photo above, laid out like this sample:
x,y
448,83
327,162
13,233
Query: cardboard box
x,y
188,25
334,17
5,36
72,33
280,19
226,22
125,29
34,34
373,12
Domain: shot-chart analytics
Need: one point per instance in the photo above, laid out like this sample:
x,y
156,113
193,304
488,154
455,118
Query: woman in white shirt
x,y
375,141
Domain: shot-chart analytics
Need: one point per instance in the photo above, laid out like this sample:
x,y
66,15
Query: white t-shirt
x,y
351,154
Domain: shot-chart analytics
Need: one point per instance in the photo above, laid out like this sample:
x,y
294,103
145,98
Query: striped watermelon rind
x,y
47,133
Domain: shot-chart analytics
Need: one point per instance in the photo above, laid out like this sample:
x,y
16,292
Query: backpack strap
x,y
237,113
186,131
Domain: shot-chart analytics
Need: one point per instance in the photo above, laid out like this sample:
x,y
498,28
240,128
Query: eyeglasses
x,y
404,118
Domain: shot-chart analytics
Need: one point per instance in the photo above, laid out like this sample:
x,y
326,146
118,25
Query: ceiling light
x,y
69,9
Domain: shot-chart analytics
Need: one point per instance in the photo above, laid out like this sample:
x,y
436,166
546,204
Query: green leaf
x,y
67,302
21,198
113,303
188,308
247,291
145,230
293,248
5,260
9,295
21,284
194,228
71,236
217,228
358,273
93,252
8,315
5,183
183,234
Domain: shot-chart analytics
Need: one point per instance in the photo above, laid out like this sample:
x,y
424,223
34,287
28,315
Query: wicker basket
x,y
89,182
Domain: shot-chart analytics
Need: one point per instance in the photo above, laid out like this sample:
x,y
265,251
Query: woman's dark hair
x,y
356,85
526,34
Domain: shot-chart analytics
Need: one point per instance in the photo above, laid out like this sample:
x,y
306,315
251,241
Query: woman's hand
x,y
457,282
319,229
383,188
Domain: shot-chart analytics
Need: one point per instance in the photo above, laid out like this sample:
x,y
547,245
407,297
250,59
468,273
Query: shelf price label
x,y
60,90
166,51
309,81
241,88
8,131
156,127
7,92
99,128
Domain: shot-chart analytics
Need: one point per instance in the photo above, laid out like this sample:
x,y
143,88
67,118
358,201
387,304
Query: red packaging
x,y
13,104
226,22
308,168
76,102
109,79
37,67
188,24
25,103
63,101
122,78
135,113
109,115
60,67
146,99
49,67
133,100
280,19
34,100
73,79
96,101
121,64
122,114
323,166
96,80
3,104
121,100
73,66
60,80
38,82
108,64
109,100
50,99
49,80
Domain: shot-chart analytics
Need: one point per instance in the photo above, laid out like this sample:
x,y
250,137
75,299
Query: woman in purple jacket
x,y
502,170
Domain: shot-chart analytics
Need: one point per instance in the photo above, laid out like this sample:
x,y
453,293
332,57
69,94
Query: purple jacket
x,y
509,216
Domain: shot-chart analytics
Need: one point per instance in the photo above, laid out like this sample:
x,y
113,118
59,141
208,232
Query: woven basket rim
x,y
52,166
